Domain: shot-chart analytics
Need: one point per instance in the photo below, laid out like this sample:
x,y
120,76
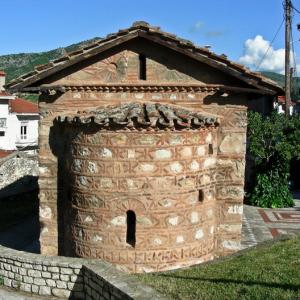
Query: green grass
x,y
271,271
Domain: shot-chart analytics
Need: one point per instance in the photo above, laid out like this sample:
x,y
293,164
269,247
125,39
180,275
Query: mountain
x,y
15,65
279,78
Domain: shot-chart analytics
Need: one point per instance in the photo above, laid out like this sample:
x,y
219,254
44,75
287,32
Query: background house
x,y
18,122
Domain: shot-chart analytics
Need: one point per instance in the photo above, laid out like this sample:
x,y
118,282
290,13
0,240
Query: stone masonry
x,y
152,188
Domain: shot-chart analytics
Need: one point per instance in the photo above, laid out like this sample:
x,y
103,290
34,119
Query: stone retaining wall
x,y
72,278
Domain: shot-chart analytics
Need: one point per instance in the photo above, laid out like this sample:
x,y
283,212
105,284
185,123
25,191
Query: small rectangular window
x,y
2,133
2,122
23,132
142,67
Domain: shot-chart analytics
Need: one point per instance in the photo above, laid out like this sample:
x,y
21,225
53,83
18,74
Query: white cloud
x,y
256,49
197,26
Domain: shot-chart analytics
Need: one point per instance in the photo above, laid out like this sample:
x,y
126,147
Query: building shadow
x,y
19,218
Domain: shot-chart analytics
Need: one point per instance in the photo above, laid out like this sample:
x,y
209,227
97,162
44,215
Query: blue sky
x,y
37,25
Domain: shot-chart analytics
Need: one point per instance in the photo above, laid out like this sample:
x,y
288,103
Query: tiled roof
x,y
22,106
143,115
3,94
155,34
4,153
2,73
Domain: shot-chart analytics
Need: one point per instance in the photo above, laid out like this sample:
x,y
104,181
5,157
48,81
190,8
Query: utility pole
x,y
287,8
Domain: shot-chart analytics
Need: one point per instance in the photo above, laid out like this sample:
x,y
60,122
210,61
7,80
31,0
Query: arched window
x,y
131,224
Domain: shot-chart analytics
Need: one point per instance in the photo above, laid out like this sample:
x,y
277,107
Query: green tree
x,y
273,142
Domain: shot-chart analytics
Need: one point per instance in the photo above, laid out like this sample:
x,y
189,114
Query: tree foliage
x,y
273,142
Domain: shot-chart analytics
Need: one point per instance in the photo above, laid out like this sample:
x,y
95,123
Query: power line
x,y
295,9
275,36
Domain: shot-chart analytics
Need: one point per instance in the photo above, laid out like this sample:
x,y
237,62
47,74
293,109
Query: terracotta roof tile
x,y
23,106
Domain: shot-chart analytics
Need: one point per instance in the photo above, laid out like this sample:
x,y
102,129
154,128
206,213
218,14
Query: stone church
x,y
142,150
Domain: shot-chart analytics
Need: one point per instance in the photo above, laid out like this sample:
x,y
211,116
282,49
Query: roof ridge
x,y
142,26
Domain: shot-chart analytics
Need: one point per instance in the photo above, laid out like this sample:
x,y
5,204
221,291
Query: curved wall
x,y
162,181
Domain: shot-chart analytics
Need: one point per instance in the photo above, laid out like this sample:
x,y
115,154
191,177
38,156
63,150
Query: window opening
x,y
23,132
142,70
201,196
210,149
131,226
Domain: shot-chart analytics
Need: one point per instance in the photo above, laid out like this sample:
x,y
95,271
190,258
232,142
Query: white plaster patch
x,y
194,217
191,96
209,212
186,152
119,221
209,138
176,167
201,150
199,234
212,229
209,195
157,96
106,182
139,96
147,167
147,269
92,167
84,151
45,212
173,220
82,180
144,220
131,153
231,245
45,230
231,227
173,97
194,166
88,219
175,140
157,241
166,202
163,153
235,209
205,179
179,239
97,238
43,170
105,152
77,165
209,162
76,95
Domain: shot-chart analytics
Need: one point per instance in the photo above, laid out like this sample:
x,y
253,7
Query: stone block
x,y
61,293
45,291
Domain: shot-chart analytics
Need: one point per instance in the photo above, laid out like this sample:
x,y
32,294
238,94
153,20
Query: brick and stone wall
x,y
71,278
164,178
111,78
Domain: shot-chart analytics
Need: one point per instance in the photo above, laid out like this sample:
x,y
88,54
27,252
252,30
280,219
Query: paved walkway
x,y
264,224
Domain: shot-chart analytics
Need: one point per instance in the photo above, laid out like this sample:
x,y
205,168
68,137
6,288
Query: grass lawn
x,y
270,271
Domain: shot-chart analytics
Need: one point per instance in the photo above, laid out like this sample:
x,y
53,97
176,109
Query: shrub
x,y
273,142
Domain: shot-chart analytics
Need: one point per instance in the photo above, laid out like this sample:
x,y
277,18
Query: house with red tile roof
x,y
18,122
